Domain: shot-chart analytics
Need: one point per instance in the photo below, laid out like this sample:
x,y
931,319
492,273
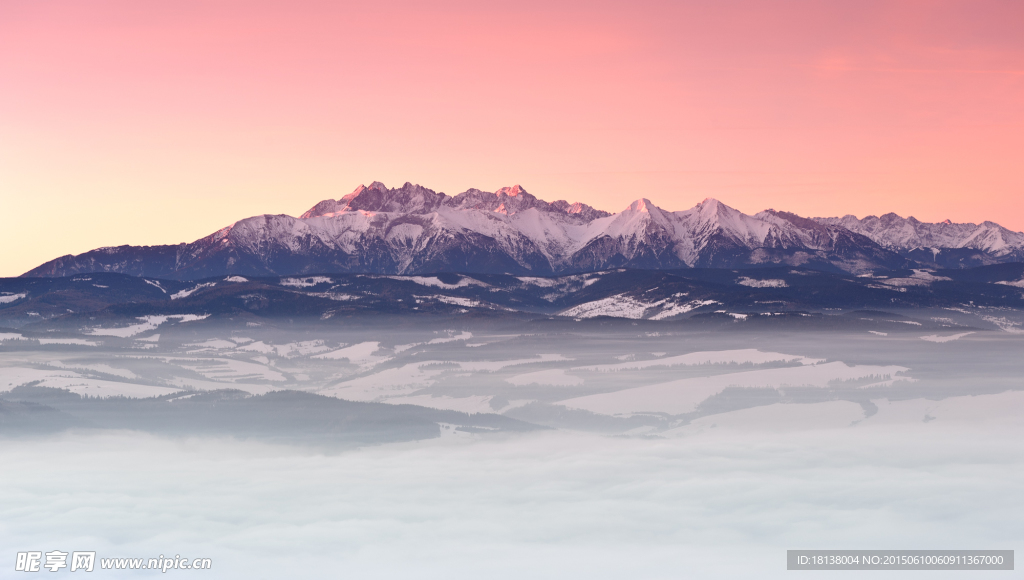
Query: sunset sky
x,y
153,122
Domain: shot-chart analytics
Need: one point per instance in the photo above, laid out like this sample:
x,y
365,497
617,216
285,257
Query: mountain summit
x,y
946,243
413,229
416,199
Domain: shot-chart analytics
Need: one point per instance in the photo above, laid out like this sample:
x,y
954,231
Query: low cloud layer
x,y
715,503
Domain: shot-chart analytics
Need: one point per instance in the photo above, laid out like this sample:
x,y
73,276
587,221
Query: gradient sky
x,y
150,122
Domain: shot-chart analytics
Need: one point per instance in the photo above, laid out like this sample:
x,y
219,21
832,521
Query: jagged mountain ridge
x,y
943,244
412,230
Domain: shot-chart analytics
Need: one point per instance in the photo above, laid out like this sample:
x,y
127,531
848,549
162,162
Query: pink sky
x,y
146,122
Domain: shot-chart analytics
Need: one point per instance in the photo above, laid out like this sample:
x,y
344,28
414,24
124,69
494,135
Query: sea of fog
x,y
725,502
663,454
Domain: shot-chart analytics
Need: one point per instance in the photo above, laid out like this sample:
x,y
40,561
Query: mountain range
x,y
414,230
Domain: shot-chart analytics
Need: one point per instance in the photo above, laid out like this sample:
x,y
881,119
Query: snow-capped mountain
x,y
412,229
945,244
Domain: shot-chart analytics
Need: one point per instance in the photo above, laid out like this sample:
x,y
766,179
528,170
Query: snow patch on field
x,y
259,346
455,338
553,377
305,282
713,357
289,350
359,354
622,306
98,367
385,384
214,343
497,365
683,396
436,283
918,278
988,409
148,323
453,300
951,337
677,309
103,389
68,341
618,306
156,284
470,404
11,377
541,282
778,417
8,298
201,385
1015,283
226,369
1004,324
236,279
929,275
336,296
754,283
190,291
301,348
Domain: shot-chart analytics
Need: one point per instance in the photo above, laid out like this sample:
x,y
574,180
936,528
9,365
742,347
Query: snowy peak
x,y
713,211
717,226
710,206
376,186
790,218
640,205
410,198
507,200
514,199
513,191
907,234
416,199
579,210
642,219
